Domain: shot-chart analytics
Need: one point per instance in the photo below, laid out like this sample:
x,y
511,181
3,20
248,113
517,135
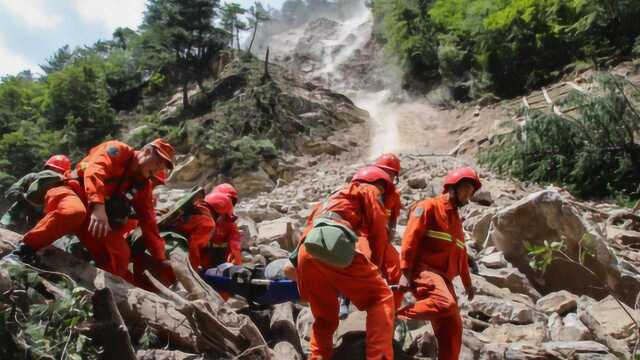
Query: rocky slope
x,y
567,311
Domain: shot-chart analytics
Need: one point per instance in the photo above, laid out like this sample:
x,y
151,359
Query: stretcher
x,y
257,291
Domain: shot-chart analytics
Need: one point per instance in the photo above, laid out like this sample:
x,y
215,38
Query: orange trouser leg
x,y
64,214
448,331
360,282
111,253
437,303
392,272
162,273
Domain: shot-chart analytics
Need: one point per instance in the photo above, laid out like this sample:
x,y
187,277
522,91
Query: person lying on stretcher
x,y
270,285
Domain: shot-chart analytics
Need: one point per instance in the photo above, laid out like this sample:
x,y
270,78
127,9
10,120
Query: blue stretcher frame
x,y
269,292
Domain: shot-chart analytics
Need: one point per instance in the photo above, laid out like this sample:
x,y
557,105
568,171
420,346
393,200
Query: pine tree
x,y
232,22
185,28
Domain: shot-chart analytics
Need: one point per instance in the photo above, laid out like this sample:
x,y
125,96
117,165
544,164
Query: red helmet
x,y
59,163
371,174
228,190
463,173
388,162
220,203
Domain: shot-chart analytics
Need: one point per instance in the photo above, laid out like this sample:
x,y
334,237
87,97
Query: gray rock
x,y
610,318
502,311
607,323
510,278
248,231
285,351
628,237
560,302
507,333
280,230
575,347
417,183
494,261
253,182
480,229
482,197
548,215
272,253
258,213
569,328
304,322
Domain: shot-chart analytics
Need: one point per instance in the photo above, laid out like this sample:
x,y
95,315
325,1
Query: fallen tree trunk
x,y
205,325
110,331
283,329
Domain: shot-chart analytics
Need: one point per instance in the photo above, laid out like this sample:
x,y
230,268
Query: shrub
x,y
594,153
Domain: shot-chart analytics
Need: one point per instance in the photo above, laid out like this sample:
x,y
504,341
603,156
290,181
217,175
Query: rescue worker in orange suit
x,y
433,254
115,176
358,206
160,270
217,248
22,215
226,228
390,163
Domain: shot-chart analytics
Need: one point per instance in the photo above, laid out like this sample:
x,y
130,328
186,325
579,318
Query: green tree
x,y
257,14
61,58
185,29
232,22
122,37
77,101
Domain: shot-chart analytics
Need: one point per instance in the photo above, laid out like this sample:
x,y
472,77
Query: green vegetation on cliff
x,y
503,46
594,153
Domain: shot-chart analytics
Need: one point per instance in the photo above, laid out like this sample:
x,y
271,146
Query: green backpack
x,y
182,207
331,242
44,181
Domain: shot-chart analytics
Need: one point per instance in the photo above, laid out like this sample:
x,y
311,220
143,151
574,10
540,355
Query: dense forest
x,y
471,48
86,92
504,47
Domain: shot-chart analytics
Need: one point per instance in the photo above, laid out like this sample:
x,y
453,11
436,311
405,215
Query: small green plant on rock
x,y
541,256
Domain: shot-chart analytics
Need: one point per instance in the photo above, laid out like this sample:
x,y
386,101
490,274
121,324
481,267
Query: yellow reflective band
x,y
460,244
439,235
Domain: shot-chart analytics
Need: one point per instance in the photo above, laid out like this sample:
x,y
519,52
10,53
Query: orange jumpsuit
x,y
360,208
433,252
391,263
102,174
197,227
225,239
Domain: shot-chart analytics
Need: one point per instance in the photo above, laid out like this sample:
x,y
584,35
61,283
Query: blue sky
x,y
32,30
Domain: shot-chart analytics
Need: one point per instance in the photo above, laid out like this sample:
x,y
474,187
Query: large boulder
x,y
547,216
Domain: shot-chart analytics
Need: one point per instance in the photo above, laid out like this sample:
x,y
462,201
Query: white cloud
x,y
111,13
33,12
12,63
